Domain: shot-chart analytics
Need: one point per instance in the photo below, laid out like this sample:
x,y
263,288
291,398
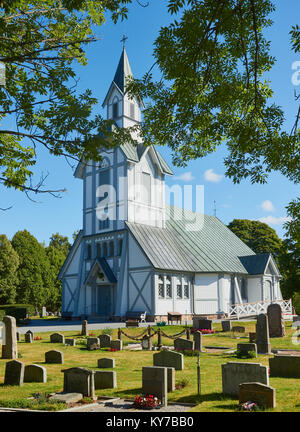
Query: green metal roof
x,y
191,246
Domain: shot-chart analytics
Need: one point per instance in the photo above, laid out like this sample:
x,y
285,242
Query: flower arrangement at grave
x,y
146,402
250,406
203,331
37,338
112,349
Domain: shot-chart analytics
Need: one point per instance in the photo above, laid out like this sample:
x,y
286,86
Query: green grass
x,y
129,371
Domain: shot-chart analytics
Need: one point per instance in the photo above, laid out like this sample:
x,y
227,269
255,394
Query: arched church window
x,y
111,249
104,249
161,291
168,287
88,251
120,246
186,293
115,110
179,290
98,250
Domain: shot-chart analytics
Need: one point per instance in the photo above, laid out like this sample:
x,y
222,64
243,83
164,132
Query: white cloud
x,y
187,176
211,176
267,205
271,220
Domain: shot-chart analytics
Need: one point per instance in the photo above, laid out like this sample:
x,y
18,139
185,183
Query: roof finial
x,y
124,39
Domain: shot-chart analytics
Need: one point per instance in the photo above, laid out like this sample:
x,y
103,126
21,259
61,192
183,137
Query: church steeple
x,y
125,112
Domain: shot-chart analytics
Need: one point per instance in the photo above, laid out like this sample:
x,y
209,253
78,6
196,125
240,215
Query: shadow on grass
x,y
197,399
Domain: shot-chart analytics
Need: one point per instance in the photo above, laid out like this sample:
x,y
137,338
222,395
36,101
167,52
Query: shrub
x,y
181,384
106,331
19,311
245,354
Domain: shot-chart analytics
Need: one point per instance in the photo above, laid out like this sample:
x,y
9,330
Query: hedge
x,y
19,311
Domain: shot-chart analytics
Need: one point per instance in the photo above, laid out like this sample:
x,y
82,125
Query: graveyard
x,y
218,348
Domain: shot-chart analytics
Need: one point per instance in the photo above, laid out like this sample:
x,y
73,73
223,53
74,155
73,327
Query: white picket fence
x,y
249,309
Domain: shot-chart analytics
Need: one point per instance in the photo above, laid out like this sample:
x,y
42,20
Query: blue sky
x,y
244,201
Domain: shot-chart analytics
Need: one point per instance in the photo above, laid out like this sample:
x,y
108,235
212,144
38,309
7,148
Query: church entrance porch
x,y
104,302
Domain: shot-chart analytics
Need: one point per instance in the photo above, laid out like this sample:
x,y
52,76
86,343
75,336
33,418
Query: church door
x,y
104,300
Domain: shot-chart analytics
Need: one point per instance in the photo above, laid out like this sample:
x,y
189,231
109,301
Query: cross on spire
x,y
124,39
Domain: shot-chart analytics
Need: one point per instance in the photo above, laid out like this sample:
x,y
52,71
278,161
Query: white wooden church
x,y
142,261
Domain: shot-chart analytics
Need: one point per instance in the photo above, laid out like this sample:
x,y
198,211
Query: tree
x,y
33,271
259,236
60,242
40,41
9,263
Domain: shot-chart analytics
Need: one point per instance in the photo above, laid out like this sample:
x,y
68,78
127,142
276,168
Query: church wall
x,y
224,286
254,289
206,294
69,288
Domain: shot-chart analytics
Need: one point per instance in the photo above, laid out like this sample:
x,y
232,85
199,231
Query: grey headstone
x,y
44,312
235,373
202,323
275,321
18,337
198,341
54,356
182,344
244,348
70,342
28,338
57,338
67,397
14,373
263,395
146,343
10,349
168,358
106,363
287,366
35,373
171,379
30,332
92,343
116,344
105,340
262,335
79,380
84,329
155,382
105,379
226,325
238,329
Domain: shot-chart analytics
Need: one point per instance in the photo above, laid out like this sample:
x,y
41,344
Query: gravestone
x,y
202,323
226,325
262,335
54,356
30,332
105,379
18,337
28,338
155,382
166,358
235,373
70,342
92,343
171,379
275,321
238,329
146,343
244,348
14,373
252,337
263,395
57,338
197,341
79,380
84,328
35,373
44,312
181,344
105,340
106,363
10,349
116,344
287,366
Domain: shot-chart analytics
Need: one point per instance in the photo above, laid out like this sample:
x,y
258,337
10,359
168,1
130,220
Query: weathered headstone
x,y
54,356
166,358
28,338
105,340
92,343
44,312
66,397
84,329
263,395
155,382
262,335
18,337
226,325
57,338
197,341
238,329
287,366
105,379
79,380
116,344
35,373
10,349
171,379
244,348
202,323
70,342
146,343
106,363
275,321
182,344
30,332
235,373
14,373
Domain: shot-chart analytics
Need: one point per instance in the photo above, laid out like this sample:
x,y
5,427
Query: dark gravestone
x,y
105,340
92,343
252,337
70,342
226,325
35,373
155,382
263,395
79,380
30,332
287,366
105,379
147,343
84,329
182,344
54,356
244,348
275,321
28,338
235,373
197,341
10,349
262,335
106,363
57,338
14,373
203,324
168,358
238,329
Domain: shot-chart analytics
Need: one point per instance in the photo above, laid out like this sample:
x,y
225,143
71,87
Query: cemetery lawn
x,y
129,370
